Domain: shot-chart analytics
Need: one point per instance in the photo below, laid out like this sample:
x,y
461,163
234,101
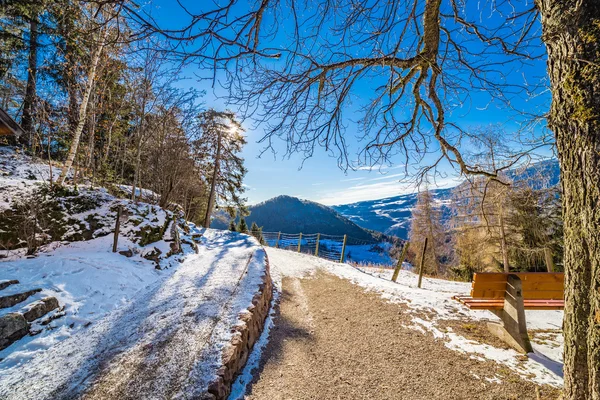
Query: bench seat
x,y
498,304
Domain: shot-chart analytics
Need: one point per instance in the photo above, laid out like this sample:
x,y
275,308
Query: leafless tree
x,y
405,72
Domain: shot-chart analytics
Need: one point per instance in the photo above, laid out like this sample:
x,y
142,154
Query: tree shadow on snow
x,y
136,338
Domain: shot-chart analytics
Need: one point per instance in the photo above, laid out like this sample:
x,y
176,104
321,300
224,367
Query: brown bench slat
x,y
525,276
527,294
488,304
527,285
535,285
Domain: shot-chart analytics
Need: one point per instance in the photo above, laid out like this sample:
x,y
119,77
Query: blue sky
x,y
319,178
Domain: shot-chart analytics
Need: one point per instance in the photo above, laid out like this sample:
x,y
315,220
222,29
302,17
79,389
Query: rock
x,y
126,253
153,255
5,284
13,327
53,316
11,300
40,308
218,388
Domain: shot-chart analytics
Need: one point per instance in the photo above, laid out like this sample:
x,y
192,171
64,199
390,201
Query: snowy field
x,y
166,327
87,278
330,249
433,304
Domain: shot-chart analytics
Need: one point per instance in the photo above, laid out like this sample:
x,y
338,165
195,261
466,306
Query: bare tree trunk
x,y
572,35
30,91
83,109
213,184
109,141
91,131
503,245
548,259
138,153
138,161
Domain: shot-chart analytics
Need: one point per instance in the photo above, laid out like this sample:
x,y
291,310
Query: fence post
x,y
400,261
317,248
277,242
117,227
549,260
299,241
342,256
422,262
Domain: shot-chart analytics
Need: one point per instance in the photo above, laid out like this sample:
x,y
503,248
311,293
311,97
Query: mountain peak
x,y
288,214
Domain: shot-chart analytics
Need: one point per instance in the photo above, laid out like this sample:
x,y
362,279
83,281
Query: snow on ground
x,y
87,278
432,303
184,316
145,194
14,164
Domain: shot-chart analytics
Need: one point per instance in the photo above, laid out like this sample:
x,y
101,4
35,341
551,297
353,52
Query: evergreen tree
x,y
242,226
232,226
217,148
256,231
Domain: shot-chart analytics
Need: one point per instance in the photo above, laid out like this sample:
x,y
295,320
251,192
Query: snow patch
x,y
435,300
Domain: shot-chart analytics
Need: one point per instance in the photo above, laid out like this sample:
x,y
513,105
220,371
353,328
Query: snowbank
x,y
166,341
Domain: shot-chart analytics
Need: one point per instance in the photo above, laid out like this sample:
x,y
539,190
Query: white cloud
x,y
376,167
352,179
388,177
378,190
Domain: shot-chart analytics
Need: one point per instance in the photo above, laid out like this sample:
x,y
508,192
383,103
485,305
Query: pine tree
x,y
242,226
232,226
256,231
217,148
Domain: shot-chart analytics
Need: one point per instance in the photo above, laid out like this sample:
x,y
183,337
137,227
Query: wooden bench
x,y
509,295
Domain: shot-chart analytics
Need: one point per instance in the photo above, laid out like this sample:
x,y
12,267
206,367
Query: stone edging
x,y
236,353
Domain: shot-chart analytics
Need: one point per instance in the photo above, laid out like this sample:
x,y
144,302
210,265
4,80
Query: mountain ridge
x,y
385,216
289,214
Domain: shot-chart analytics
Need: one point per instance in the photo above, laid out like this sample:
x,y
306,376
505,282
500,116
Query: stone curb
x,y
235,354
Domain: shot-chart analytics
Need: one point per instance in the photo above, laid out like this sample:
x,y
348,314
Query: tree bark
x,y
503,245
91,131
571,31
83,108
213,184
30,90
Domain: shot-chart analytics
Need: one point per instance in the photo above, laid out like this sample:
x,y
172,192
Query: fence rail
x,y
336,248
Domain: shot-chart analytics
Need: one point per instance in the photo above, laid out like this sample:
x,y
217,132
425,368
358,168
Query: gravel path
x,y
332,340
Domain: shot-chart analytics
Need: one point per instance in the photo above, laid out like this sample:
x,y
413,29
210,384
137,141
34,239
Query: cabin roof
x,y
8,126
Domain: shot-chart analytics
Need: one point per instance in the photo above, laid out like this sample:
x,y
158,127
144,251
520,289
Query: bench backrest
x,y
536,285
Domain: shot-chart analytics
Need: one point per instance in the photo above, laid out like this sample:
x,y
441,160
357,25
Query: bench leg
x,y
513,329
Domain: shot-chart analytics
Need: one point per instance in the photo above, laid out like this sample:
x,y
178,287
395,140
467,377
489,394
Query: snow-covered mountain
x,y
392,214
292,215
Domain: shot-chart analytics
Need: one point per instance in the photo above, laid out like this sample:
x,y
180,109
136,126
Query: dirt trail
x,y
332,340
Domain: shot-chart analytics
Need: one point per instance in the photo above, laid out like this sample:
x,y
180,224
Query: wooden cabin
x,y
8,126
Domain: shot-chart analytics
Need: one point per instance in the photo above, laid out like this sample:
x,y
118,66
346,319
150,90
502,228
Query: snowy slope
x,y
87,278
433,304
392,215
166,341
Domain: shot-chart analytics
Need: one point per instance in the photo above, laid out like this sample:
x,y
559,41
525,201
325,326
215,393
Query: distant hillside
x,y
392,215
292,215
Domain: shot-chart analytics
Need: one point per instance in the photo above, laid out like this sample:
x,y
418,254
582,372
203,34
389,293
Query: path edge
x,y
250,325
